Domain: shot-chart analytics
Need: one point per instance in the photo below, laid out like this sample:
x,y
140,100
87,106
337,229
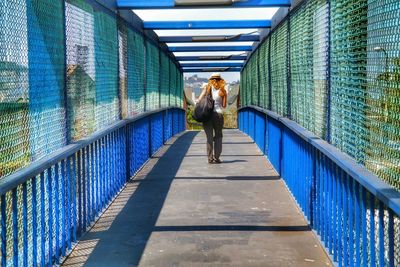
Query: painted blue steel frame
x,y
343,202
78,182
211,65
157,4
209,48
206,24
197,58
188,39
228,69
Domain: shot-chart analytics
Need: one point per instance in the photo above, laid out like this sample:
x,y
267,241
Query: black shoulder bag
x,y
204,108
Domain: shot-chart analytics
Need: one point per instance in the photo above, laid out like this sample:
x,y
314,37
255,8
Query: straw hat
x,y
215,75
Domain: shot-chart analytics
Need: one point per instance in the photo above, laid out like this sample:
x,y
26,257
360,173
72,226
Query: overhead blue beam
x,y
165,4
209,48
233,69
186,39
208,65
206,24
196,58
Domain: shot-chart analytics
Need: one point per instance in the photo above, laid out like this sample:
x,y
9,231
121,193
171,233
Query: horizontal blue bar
x,y
209,24
186,39
157,4
208,65
196,58
232,69
208,48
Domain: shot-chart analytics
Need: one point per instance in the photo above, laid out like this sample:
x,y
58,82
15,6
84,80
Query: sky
x,y
207,14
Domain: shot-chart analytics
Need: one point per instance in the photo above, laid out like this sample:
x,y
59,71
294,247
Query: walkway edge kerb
x,y
21,176
380,189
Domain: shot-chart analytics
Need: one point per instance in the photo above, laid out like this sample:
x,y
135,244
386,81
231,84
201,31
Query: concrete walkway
x,y
181,211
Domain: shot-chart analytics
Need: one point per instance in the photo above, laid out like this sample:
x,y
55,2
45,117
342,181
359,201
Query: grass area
x,y
230,119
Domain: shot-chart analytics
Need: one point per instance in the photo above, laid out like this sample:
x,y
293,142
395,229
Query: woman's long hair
x,y
217,84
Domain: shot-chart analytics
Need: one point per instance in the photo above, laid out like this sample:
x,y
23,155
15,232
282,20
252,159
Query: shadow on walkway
x,y
181,211
121,235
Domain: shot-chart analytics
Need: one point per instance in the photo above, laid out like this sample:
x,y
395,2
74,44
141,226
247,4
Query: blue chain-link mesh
x,y
32,78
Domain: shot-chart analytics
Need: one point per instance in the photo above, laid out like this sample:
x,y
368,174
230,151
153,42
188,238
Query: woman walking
x,y
213,127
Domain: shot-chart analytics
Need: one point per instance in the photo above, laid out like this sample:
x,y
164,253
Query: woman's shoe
x,y
218,161
210,161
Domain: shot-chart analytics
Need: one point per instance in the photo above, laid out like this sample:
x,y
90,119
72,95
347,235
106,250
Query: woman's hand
x,y
202,94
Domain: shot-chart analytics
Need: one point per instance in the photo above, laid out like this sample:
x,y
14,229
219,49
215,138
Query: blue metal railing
x,y
48,205
355,214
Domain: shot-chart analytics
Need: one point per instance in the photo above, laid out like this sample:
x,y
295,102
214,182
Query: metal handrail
x,y
380,189
21,176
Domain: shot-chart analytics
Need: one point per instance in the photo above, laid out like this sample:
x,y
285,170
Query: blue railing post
x,y
3,231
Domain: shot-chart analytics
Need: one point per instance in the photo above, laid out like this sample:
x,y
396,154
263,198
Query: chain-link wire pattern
x,y
263,55
348,76
308,65
301,66
164,80
31,96
123,66
320,56
279,69
68,73
253,67
152,76
383,90
136,73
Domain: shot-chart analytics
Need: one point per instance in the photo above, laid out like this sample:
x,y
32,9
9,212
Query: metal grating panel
x,y
152,76
348,72
383,90
279,69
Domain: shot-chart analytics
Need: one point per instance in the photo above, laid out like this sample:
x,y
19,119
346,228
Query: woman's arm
x,y
203,93
224,99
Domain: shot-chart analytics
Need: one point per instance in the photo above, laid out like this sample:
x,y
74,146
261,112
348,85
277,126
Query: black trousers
x,y
213,129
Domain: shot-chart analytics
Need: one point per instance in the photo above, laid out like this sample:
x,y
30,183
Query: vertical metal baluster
x,y
74,195
85,186
79,181
364,226
372,229
34,222
351,221
57,213
42,219
340,217
345,220
15,226
358,224
381,235
64,208
25,223
391,236
3,231
335,212
50,213
92,182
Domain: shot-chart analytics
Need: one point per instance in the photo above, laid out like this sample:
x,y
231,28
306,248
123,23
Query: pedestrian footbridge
x,y
181,211
98,167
